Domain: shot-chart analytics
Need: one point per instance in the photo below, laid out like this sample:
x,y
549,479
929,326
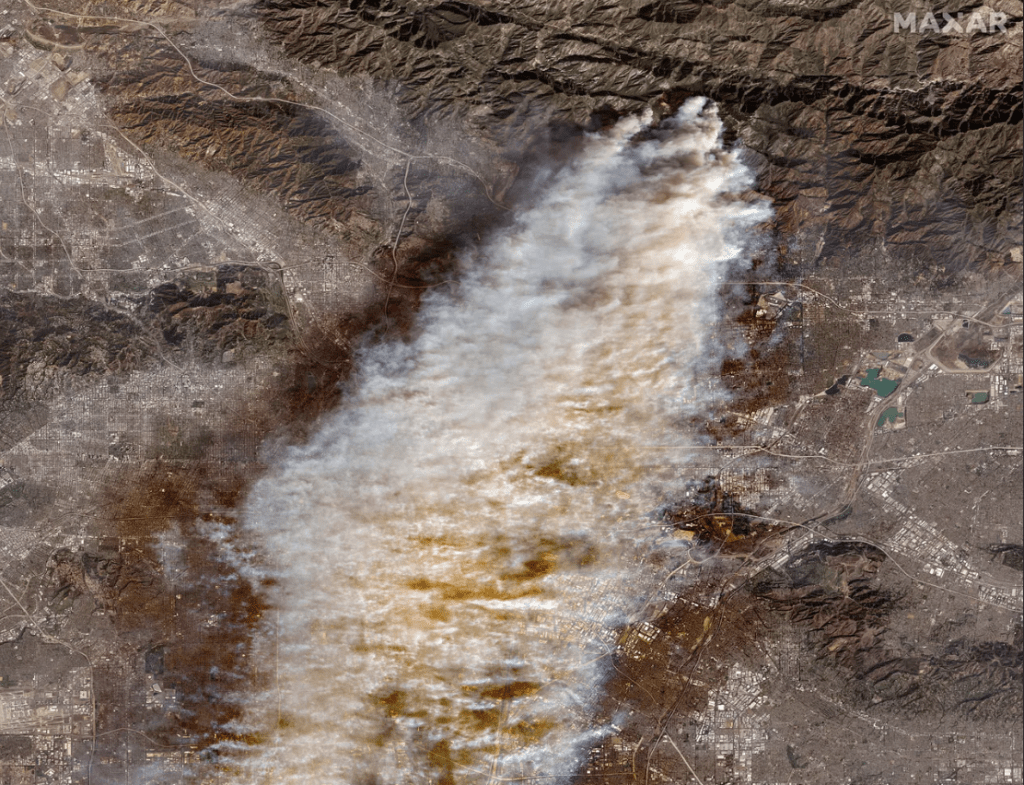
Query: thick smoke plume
x,y
457,546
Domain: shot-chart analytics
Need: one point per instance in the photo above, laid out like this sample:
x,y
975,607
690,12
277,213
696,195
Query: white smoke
x,y
458,545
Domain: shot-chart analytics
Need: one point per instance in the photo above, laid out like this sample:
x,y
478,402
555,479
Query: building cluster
x,y
46,717
924,547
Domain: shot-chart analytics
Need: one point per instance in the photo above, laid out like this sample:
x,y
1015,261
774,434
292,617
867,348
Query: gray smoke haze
x,y
457,546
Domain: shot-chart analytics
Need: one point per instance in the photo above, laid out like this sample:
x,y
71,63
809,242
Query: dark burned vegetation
x,y
691,642
172,585
837,608
715,519
763,375
850,159
180,507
